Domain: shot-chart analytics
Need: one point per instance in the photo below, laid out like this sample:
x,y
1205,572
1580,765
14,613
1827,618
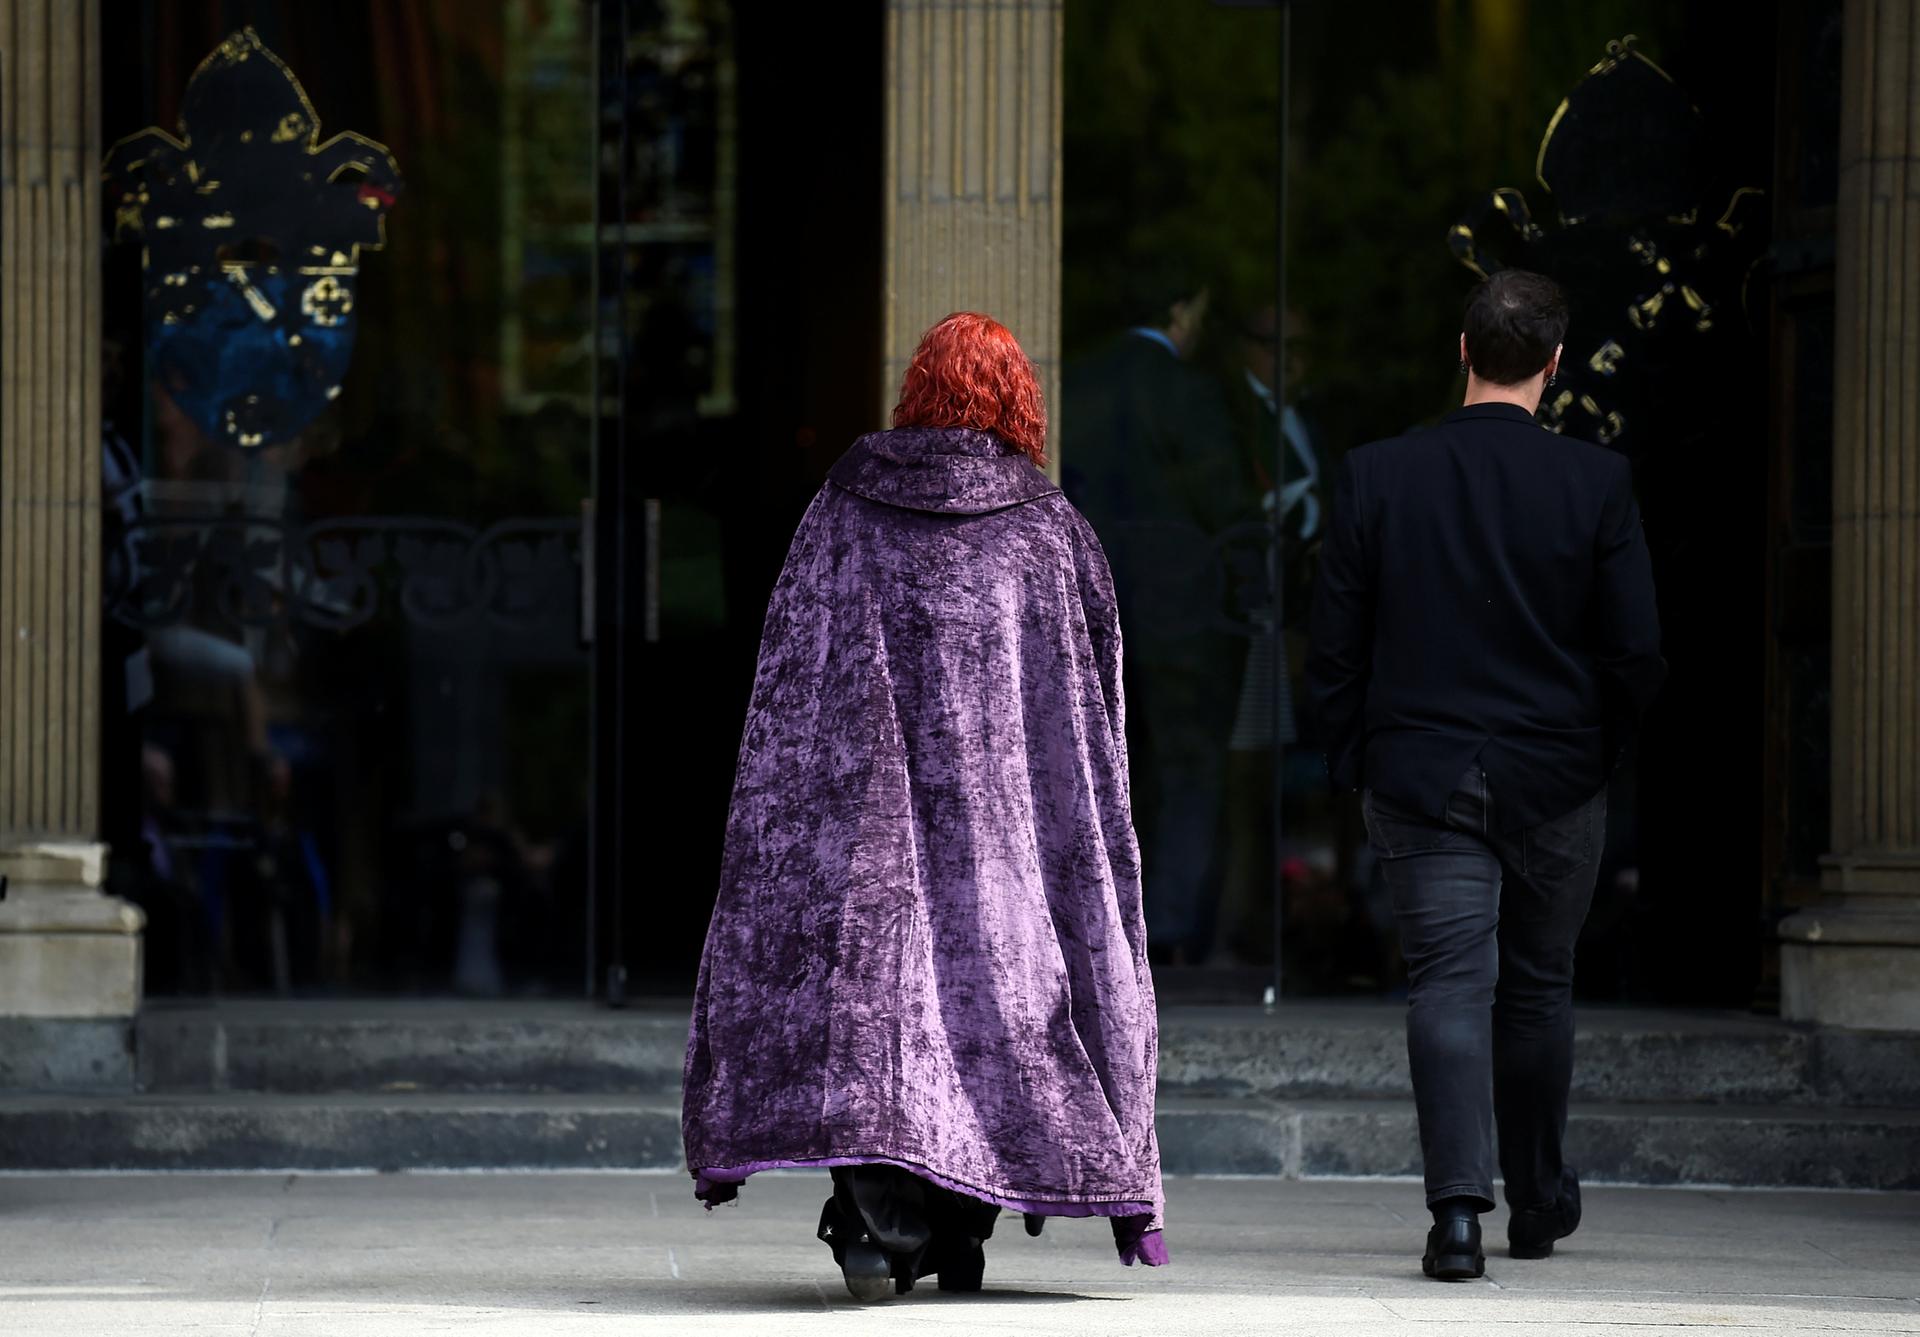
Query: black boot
x,y
963,1265
888,1210
962,1226
863,1263
1453,1245
1532,1231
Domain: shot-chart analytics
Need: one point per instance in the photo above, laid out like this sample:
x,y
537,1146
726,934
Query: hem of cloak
x,y
1136,1244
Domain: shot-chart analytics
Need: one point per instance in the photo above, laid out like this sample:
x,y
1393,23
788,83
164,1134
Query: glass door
x,y
737,354
1623,147
665,350
349,371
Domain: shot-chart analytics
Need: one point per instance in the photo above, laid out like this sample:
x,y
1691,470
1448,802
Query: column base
x,y
66,948
1853,965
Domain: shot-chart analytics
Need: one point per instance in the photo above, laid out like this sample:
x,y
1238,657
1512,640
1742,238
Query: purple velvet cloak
x,y
927,949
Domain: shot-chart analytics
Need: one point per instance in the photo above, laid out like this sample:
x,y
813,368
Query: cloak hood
x,y
940,470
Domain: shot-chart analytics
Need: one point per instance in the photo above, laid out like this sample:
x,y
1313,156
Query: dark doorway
x,y
775,122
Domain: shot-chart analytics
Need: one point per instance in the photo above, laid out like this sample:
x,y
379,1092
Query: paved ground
x,y
340,1256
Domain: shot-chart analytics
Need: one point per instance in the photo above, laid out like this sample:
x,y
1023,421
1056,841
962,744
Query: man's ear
x,y
1463,350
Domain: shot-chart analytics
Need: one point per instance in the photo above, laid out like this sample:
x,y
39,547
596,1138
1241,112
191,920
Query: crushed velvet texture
x,y
927,949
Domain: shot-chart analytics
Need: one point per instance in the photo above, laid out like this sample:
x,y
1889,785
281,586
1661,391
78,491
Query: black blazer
x,y
1484,596
1148,456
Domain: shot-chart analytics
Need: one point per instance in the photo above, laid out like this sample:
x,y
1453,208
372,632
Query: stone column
x,y
973,175
1854,960
66,950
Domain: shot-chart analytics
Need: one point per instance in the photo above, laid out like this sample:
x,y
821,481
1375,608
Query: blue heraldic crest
x,y
252,229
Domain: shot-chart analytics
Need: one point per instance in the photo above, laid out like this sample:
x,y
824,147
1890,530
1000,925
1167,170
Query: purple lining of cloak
x,y
719,1184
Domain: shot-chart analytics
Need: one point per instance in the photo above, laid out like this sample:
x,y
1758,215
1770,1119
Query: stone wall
x,y
66,950
972,206
1855,960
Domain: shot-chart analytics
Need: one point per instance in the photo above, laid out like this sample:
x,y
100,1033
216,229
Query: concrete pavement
x,y
387,1255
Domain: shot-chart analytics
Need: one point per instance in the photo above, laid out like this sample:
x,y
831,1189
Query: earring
x,y
1464,368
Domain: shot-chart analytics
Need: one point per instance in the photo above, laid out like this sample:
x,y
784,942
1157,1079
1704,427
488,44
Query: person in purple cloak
x,y
927,967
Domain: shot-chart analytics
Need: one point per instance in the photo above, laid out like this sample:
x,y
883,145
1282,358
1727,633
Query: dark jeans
x,y
1488,922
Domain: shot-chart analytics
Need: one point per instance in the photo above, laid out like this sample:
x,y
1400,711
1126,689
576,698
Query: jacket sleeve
x,y
1219,496
1194,451
1627,633
1340,653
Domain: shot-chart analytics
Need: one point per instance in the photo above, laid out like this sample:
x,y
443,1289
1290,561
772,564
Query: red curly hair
x,y
970,371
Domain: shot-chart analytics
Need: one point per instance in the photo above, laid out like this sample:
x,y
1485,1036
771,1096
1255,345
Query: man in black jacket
x,y
1484,638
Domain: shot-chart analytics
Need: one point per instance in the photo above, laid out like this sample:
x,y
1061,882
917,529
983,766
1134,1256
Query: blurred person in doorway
x,y
177,947
1484,641
1251,403
1243,931
1148,456
927,968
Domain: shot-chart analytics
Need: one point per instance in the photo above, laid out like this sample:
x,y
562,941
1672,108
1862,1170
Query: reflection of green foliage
x,y
1388,167
1169,150
1399,124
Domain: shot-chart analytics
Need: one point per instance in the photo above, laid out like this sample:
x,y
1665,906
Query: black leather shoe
x,y
1453,1249
866,1267
1532,1231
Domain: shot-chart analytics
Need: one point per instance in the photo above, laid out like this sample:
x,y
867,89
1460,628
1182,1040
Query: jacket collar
x,y
1493,409
940,470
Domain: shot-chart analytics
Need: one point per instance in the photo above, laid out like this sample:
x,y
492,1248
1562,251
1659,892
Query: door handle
x,y
588,548
652,575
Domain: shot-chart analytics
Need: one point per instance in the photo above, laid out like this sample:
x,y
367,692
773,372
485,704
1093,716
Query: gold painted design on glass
x,y
1607,358
326,301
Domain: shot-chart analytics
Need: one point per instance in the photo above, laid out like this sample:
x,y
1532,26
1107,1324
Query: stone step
x,y
1300,1051
251,1131
1748,1146
398,1046
1621,1055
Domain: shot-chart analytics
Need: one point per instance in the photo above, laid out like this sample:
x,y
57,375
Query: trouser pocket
x,y
1395,830
1565,847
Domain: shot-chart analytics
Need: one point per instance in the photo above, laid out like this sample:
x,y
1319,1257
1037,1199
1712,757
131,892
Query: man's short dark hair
x,y
1515,319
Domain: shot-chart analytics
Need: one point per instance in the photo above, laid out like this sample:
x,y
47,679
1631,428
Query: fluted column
x,y
973,174
1855,959
65,949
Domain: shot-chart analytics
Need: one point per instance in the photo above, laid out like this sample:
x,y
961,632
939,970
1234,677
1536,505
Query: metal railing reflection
x,y
519,574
